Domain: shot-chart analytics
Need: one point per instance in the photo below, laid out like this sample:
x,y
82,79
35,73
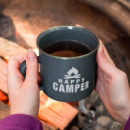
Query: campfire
x,y
20,24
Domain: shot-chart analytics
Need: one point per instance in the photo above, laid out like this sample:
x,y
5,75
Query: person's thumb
x,y
104,61
32,68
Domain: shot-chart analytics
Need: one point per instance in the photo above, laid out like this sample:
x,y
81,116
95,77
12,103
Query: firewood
x,y
59,114
3,72
9,48
5,111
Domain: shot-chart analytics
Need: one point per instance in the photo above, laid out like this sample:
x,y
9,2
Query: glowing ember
x,y
6,58
50,103
3,97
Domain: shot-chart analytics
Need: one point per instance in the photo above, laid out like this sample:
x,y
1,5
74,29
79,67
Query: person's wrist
x,y
25,111
123,114
127,113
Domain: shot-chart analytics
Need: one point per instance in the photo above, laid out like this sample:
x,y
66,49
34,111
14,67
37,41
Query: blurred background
x,y
21,21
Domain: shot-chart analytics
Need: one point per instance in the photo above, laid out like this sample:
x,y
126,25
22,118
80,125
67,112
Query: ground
x,y
102,121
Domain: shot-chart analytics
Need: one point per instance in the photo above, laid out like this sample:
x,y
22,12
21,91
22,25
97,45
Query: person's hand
x,y
23,93
112,86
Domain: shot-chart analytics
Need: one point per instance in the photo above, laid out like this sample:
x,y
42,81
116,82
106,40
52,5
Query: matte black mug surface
x,y
66,79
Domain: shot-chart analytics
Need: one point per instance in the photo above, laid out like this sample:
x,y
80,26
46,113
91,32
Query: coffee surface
x,y
67,49
66,53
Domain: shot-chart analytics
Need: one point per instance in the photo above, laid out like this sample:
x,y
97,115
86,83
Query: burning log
x,y
59,114
3,72
9,48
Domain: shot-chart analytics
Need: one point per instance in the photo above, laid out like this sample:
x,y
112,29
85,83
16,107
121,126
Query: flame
x,y
2,97
6,58
70,72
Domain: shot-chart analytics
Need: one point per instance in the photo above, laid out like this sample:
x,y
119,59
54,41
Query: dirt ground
x,y
102,121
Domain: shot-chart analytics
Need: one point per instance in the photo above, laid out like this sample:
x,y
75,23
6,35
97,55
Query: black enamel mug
x,y
66,79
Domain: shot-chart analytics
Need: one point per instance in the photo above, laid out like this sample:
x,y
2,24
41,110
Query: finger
x,y
106,52
32,68
15,61
13,73
104,62
78,25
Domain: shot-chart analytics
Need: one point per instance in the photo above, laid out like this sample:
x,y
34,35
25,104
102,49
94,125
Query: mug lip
x,y
68,27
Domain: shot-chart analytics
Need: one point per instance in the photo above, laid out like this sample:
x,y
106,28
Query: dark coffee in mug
x,y
67,49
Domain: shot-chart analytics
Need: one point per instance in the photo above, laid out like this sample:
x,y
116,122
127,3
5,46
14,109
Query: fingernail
x,y
30,55
78,25
101,50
